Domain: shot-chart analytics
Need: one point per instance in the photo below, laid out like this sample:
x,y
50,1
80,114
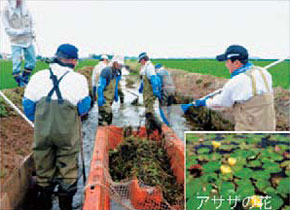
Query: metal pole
x,y
276,62
16,109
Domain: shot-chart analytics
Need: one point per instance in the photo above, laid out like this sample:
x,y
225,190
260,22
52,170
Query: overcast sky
x,y
161,28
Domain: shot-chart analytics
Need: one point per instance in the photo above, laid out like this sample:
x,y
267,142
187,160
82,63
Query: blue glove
x,y
29,108
141,87
155,86
200,102
101,87
116,88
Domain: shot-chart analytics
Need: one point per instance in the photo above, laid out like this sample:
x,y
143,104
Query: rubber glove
x,y
101,87
197,103
200,102
185,107
116,97
155,86
141,87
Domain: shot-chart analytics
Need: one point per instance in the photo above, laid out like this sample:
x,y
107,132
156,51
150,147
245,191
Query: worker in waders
x,y
108,90
120,90
104,61
167,88
17,22
55,99
249,91
166,84
150,87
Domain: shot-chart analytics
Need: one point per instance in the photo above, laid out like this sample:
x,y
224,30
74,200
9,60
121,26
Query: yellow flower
x,y
232,161
216,144
256,201
225,169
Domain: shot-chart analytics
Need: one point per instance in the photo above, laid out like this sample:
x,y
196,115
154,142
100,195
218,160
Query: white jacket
x,y
97,70
73,86
18,24
239,89
148,70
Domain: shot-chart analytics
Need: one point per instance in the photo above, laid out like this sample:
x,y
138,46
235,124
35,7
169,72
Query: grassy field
x,y
280,73
6,80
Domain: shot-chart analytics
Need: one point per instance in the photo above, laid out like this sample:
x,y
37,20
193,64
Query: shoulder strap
x,y
264,78
251,76
55,87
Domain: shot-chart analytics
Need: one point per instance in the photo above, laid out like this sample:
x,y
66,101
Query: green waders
x,y
56,146
105,111
152,122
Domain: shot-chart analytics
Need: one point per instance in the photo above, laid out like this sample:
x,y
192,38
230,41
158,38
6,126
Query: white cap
x,y
118,58
104,56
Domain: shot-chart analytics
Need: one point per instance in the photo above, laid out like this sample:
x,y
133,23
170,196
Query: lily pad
x,y
243,182
211,166
284,186
255,163
209,178
193,187
244,173
260,175
245,191
276,202
227,189
204,150
262,185
270,191
272,167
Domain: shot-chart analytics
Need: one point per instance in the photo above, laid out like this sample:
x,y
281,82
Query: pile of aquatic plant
x,y
148,161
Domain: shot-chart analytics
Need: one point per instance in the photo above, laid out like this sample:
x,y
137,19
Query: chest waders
x,y
105,111
258,113
152,122
56,144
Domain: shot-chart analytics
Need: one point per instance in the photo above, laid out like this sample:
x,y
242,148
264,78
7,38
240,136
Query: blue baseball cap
x,y
158,66
67,51
234,51
142,55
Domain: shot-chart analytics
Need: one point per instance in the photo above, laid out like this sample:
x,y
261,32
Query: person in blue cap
x,y
249,92
150,87
54,99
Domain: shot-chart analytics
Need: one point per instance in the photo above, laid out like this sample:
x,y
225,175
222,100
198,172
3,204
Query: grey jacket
x,y
18,24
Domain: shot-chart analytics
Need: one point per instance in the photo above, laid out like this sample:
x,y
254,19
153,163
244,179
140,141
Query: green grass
x,y
280,73
7,81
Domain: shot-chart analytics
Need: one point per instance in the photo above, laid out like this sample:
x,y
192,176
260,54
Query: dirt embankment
x,y
15,133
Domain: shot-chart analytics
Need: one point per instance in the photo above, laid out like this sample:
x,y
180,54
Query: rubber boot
x,y
44,198
105,118
18,78
25,75
65,195
152,124
122,99
65,201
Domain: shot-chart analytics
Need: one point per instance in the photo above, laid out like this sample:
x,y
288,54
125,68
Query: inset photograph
x,y
237,171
